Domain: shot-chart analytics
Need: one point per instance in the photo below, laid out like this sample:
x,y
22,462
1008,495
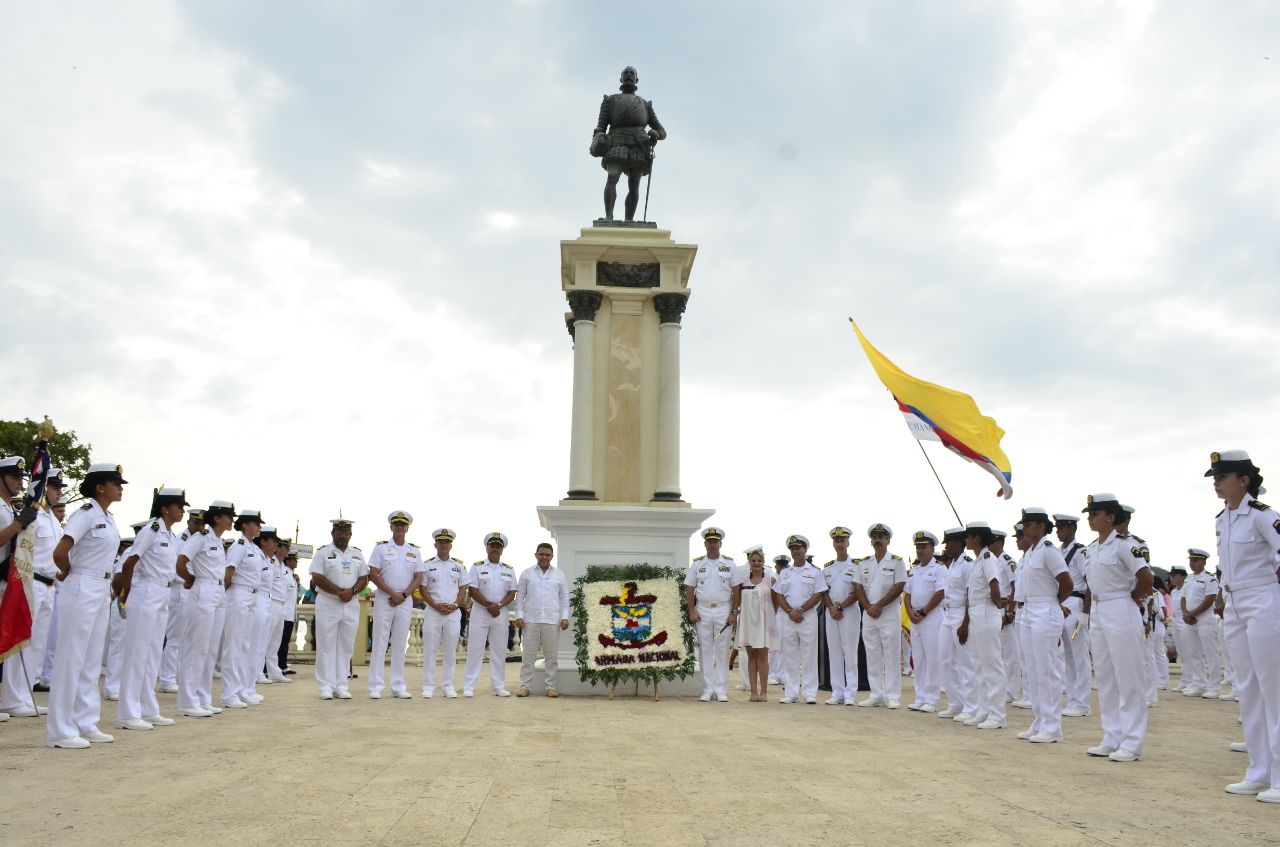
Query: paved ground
x,y
585,770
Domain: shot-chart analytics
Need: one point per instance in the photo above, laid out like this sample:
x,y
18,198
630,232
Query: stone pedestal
x,y
627,289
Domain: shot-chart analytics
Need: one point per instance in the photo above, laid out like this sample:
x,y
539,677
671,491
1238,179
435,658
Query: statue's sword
x,y
648,184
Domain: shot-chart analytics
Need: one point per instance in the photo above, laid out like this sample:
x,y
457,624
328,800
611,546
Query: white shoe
x,y
75,742
264,681
467,692
869,703
741,687
25,712
835,701
284,680
158,720
235,704
342,694
450,694
1123,755
1024,703
787,700
428,693
1271,795
97,737
928,708
195,713
1192,692
974,720
135,723
810,700
1025,734
705,697
1230,697
1211,695
1075,712
253,699
502,692
963,717
1247,787
171,688
402,695
949,712
893,704
326,695
212,709
375,695
991,724
1042,738
1239,747
720,698
774,681
1101,750
915,707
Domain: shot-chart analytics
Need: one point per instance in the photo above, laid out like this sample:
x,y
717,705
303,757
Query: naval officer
x,y
395,569
339,572
444,587
713,589
492,586
882,577
796,594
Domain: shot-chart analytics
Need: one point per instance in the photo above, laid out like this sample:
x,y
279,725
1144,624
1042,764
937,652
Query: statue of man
x,y
622,142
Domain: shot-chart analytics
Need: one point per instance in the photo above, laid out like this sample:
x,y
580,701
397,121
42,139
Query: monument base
x,y
601,534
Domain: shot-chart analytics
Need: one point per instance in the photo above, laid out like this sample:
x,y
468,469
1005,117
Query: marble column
x,y
584,305
670,308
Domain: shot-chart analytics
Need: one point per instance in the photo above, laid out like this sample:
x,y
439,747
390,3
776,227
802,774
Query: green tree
x,y
19,438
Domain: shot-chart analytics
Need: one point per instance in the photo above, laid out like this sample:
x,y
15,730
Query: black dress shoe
x,y
289,672
40,686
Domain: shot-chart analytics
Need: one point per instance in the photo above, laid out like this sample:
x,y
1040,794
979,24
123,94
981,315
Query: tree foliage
x,y
19,438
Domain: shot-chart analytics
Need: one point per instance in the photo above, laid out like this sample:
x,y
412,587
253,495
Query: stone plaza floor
x,y
590,771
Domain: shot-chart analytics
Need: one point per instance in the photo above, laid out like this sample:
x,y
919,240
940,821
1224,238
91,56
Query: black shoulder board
x,y
155,526
896,556
1220,514
382,542
240,541
478,564
830,563
411,544
1259,505
87,506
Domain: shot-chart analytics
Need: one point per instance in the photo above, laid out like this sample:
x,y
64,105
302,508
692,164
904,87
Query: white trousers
x,y
74,702
1160,654
203,616
926,651
1202,647
776,668
237,644
172,655
113,658
440,632
800,656
275,634
143,644
713,647
1011,651
1043,663
335,640
262,628
842,651
1077,669
957,663
390,629
883,639
1252,629
533,636
1117,654
990,680
485,629
51,639
1228,673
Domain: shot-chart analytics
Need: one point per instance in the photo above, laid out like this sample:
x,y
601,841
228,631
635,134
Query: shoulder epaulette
x,y
1259,505
411,544
699,558
968,558
155,526
239,540
456,559
1122,535
87,506
204,530
357,549
986,554
830,563
1220,514
730,558
479,564
380,542
505,565
895,556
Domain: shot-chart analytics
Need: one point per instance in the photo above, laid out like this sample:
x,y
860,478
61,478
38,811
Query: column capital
x,y
584,303
670,307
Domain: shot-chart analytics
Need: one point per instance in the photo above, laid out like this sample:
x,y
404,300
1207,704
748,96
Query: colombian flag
x,y
934,413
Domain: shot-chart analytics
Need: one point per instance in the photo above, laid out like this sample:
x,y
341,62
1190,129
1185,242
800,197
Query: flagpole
x,y
940,485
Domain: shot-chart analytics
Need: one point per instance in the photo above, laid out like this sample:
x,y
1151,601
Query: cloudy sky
x,y
305,255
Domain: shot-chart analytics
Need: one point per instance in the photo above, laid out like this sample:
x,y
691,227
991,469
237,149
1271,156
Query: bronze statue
x,y
622,142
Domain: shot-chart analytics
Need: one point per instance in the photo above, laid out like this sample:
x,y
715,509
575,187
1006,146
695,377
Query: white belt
x,y
1255,583
97,573
209,579
244,588
155,580
1113,595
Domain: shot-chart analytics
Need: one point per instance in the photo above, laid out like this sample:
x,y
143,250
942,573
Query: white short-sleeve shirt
x,y
878,578
712,580
343,568
397,563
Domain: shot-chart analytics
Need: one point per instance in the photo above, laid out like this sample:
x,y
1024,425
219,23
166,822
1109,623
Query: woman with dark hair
x,y
202,566
1119,580
84,559
1248,538
983,616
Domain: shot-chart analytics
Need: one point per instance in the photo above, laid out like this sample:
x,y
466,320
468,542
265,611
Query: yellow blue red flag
x,y
934,413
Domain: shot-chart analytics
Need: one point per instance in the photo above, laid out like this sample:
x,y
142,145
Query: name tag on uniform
x,y
346,566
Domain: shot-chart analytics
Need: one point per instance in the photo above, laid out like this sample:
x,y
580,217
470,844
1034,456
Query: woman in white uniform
x,y
982,621
202,566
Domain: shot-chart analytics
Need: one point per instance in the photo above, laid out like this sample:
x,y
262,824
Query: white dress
x,y
753,628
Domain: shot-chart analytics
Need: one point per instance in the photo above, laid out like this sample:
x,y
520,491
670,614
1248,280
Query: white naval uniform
x,y
169,659
1116,639
396,565
1042,617
282,585
203,615
1179,635
956,660
843,635
262,623
23,668
1200,667
800,640
542,601
442,578
113,652
1248,557
713,581
926,635
883,635
336,620
239,676
984,636
1156,642
494,581
74,702
148,604
1077,671
1010,639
